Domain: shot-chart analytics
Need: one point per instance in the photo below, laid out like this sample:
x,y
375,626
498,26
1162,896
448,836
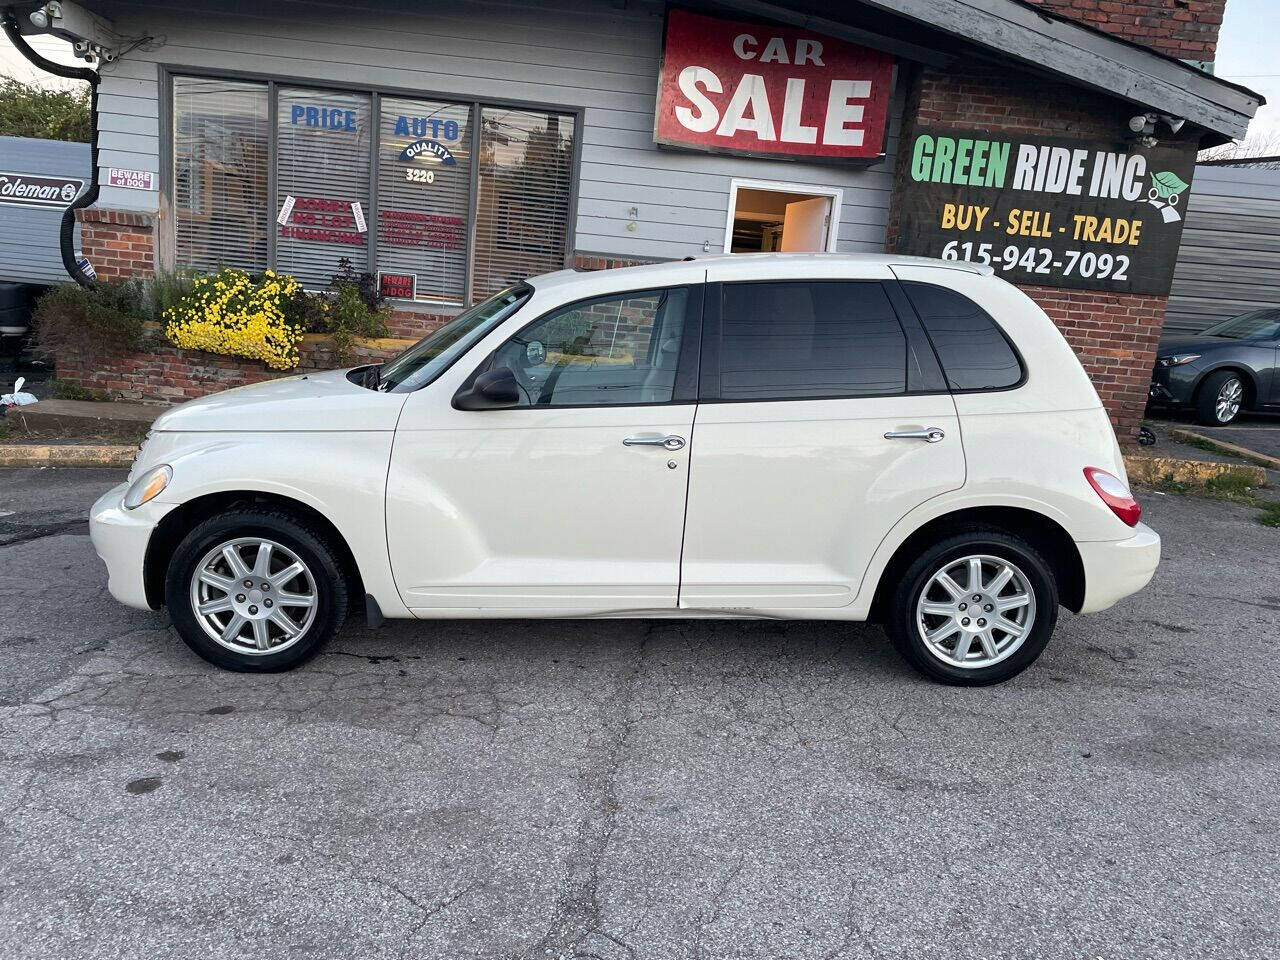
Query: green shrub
x,y
31,110
108,318
167,289
68,390
348,308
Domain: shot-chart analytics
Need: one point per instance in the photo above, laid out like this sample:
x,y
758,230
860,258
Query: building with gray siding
x,y
1229,262
456,148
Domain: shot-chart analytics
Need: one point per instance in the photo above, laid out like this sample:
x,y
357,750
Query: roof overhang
x,y
1016,31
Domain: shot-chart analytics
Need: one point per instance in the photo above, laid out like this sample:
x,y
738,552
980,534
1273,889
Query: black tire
x,y
1207,398
306,543
901,624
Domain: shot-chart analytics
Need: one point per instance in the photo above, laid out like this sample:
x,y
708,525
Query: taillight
x,y
1114,494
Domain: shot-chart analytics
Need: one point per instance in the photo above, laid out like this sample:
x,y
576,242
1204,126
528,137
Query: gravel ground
x,y
638,790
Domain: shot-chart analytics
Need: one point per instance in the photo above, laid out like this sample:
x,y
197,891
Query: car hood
x,y
308,401
1195,344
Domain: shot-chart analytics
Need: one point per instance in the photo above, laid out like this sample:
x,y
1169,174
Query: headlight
x,y
148,486
1178,359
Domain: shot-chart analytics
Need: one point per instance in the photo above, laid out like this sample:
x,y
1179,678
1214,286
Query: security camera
x,y
1142,123
70,22
1174,123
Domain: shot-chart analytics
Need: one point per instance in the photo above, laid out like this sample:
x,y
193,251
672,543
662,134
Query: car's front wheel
x,y
255,590
975,608
1219,399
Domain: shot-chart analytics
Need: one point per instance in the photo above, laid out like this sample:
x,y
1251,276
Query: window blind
x,y
525,184
220,131
424,195
323,163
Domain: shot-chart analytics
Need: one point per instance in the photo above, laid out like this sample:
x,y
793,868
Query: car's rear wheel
x,y
1220,398
255,591
975,608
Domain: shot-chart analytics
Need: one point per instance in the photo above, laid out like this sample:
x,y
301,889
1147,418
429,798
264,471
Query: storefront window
x,y
424,193
460,210
220,135
522,222
322,193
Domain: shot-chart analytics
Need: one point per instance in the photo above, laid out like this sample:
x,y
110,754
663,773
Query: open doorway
x,y
764,217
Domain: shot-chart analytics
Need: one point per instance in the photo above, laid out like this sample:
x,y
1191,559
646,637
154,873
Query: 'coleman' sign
x,y
1064,213
763,90
29,190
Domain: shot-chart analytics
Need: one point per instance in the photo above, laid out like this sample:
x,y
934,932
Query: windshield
x,y
1256,325
433,354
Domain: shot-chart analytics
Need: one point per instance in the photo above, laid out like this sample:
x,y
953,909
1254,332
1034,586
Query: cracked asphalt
x,y
638,790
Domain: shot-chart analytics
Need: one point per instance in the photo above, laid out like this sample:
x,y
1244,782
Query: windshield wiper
x,y
372,376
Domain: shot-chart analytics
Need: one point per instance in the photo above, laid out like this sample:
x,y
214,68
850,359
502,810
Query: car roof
x,y
753,266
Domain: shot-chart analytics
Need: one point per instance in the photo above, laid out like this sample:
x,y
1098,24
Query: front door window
x,y
614,350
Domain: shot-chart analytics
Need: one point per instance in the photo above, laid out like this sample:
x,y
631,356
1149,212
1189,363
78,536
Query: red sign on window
x,y
756,89
398,286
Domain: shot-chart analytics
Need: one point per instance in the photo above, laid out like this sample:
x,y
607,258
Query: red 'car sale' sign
x,y
757,89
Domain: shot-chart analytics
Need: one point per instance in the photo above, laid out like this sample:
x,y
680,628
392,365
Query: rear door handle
x,y
927,434
670,442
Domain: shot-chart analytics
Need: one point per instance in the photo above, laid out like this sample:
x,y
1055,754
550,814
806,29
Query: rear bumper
x,y
1115,569
120,538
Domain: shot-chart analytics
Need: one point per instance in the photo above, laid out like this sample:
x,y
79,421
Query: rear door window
x,y
975,353
808,340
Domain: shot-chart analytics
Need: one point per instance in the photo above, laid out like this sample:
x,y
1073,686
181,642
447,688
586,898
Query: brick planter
x,y
168,374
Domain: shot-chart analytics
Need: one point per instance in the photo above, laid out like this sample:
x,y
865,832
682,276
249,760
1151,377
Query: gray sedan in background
x,y
1232,366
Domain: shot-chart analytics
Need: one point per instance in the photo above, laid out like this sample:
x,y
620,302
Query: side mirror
x,y
489,391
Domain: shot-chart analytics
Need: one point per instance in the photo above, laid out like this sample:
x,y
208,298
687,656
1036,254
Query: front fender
x,y
341,475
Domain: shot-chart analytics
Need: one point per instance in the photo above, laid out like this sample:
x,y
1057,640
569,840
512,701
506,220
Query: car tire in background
x,y
256,590
975,608
1220,398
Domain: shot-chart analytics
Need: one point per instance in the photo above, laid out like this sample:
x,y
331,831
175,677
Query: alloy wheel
x,y
253,596
975,611
1229,396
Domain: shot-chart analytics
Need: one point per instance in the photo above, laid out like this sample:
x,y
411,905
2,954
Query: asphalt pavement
x,y
1259,432
638,790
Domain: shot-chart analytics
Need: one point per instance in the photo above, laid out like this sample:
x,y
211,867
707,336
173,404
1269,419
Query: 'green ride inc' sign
x,y
1043,210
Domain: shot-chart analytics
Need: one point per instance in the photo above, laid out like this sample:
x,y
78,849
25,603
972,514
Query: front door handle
x,y
927,434
670,442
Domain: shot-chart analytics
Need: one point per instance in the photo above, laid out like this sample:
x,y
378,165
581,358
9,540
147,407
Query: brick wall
x,y
413,325
595,261
167,374
118,243
1114,335
1187,29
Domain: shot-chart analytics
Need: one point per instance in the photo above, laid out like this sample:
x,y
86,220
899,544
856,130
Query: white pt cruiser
x,y
781,436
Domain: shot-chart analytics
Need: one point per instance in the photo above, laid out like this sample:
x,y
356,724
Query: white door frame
x,y
775,186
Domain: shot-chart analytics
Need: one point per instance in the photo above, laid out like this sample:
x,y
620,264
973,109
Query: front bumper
x,y
120,538
1115,569
1175,386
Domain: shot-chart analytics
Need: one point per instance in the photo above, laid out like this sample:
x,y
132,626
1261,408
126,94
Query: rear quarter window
x,y
974,352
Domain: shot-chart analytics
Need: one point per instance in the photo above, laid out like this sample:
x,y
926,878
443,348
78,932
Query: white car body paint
x,y
787,509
